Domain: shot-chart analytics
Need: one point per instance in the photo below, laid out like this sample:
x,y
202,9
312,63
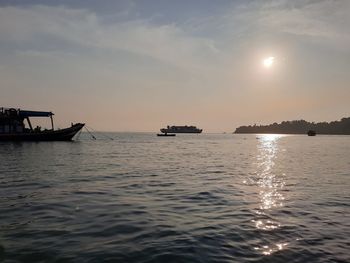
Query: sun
x,y
268,62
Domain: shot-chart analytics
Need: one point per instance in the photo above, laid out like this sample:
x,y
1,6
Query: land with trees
x,y
341,127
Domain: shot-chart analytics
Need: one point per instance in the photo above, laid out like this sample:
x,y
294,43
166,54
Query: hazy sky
x,y
140,65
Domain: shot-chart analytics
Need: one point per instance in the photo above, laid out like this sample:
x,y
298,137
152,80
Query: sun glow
x,y
268,62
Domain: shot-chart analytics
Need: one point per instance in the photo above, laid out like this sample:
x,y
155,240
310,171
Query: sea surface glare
x,y
189,198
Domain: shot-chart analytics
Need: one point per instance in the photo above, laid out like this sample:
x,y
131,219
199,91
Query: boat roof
x,y
30,113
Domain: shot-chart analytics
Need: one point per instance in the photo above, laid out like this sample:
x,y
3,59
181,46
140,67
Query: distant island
x,y
341,127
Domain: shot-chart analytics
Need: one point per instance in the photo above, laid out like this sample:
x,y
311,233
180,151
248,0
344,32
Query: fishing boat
x,y
13,128
181,129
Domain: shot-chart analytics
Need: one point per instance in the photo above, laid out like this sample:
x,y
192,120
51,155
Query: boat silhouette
x,y
311,133
181,129
12,127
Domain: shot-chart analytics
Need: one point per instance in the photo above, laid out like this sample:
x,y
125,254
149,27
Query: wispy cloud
x,y
47,29
53,29
325,18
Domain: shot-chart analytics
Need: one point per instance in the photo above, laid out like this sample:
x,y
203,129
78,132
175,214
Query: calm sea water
x,y
189,198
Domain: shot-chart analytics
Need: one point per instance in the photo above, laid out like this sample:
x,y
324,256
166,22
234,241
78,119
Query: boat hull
x,y
180,131
66,134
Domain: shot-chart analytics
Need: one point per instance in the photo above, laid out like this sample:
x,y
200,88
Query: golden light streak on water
x,y
269,184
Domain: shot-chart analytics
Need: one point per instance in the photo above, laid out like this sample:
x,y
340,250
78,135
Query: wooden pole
x,y
29,123
51,122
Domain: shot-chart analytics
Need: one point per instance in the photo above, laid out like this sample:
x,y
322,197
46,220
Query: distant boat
x,y
166,134
311,133
181,129
12,127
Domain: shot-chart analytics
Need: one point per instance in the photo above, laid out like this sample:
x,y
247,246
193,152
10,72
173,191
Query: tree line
x,y
300,127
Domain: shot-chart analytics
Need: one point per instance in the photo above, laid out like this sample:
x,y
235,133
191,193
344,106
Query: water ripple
x,y
207,198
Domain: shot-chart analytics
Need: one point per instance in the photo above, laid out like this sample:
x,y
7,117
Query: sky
x,y
130,65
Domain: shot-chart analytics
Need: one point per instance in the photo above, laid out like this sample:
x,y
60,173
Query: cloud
x,y
325,18
59,29
53,29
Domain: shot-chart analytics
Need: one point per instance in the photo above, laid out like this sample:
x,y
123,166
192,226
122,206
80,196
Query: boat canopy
x,y
28,113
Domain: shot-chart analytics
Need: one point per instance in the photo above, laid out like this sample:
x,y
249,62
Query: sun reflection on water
x,y
268,250
266,225
269,185
268,181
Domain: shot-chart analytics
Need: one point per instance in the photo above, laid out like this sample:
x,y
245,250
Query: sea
x,y
136,197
